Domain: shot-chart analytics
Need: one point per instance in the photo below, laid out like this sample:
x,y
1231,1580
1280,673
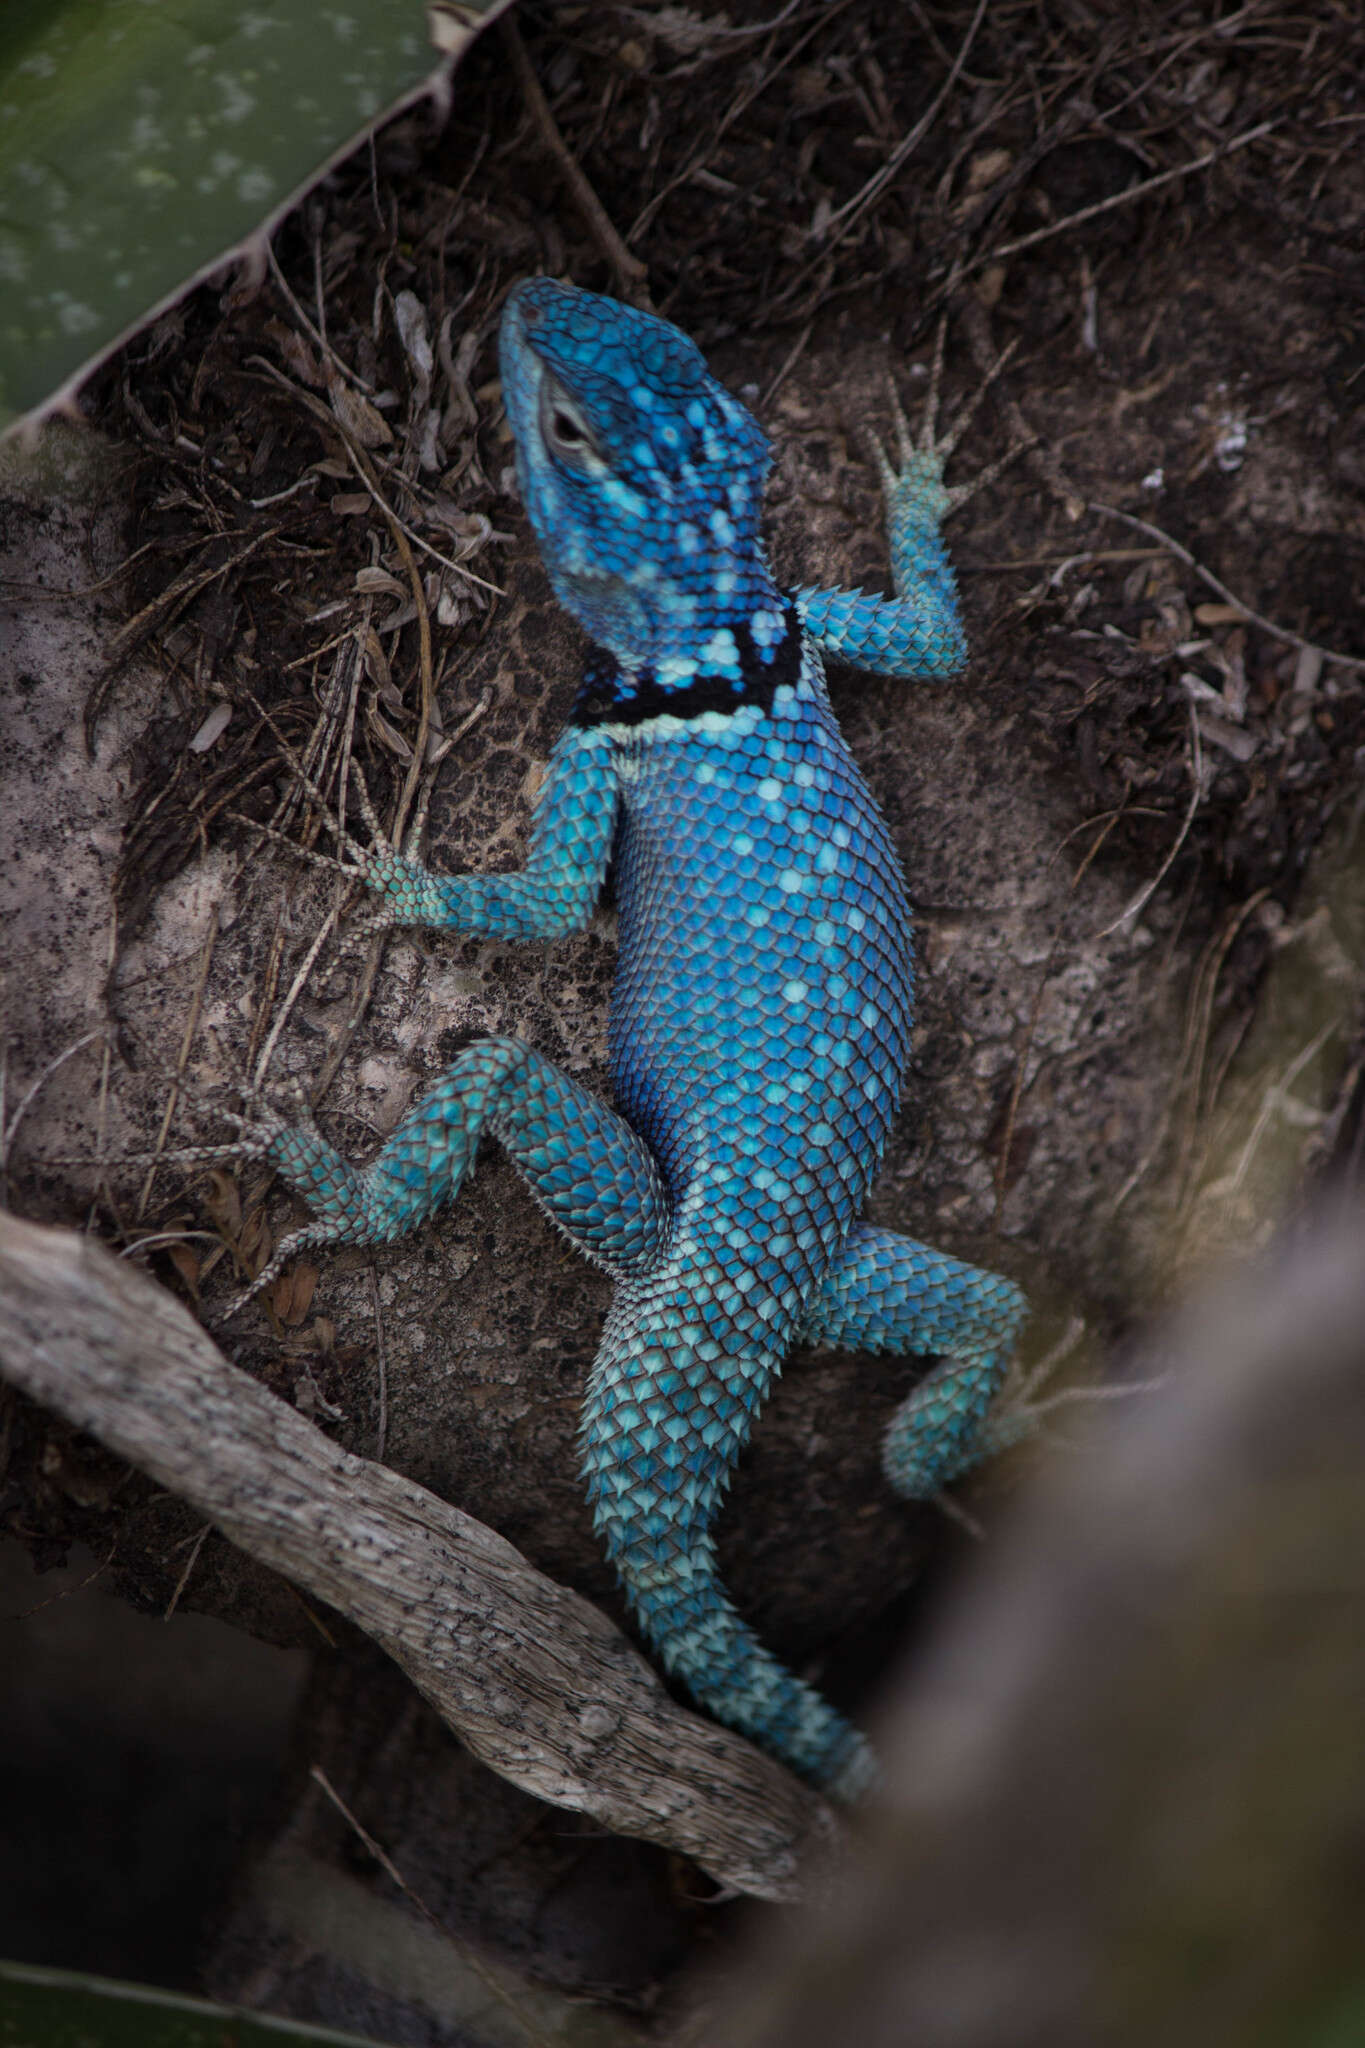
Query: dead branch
x,y
539,1684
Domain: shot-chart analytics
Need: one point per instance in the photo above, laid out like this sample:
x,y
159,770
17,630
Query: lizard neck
x,y
743,662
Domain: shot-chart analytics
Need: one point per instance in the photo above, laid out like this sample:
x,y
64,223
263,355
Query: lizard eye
x,y
563,428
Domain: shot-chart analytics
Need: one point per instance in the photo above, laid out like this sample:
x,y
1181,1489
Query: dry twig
x,y
534,1679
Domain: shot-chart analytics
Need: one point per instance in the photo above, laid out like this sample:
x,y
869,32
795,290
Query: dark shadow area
x,y
137,1759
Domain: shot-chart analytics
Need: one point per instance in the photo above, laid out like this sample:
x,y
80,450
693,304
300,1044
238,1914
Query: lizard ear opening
x,y
564,428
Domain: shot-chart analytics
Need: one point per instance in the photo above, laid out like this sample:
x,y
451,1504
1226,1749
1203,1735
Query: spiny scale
x,y
760,1018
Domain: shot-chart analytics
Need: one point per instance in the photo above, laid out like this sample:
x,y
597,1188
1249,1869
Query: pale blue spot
x,y
624,499
675,670
721,651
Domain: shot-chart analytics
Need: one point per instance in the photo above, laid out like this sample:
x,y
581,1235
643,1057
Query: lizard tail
x,y
663,1423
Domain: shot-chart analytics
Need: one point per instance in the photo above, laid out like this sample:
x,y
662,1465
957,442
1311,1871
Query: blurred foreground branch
x,y
1127,1782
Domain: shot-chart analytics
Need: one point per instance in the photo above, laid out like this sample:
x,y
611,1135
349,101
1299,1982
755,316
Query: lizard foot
x,y
918,480
1021,1410
380,866
262,1132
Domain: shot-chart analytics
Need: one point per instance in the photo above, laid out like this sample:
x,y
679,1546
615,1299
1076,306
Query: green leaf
x,y
142,142
64,2009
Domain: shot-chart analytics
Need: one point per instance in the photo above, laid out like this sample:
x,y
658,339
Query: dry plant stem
x,y
534,1679
186,1041
488,1978
69,1592
74,593
1190,1075
758,77
296,988
334,426
419,746
9,1125
1149,889
1354,661
190,1563
1001,250
159,613
630,271
848,215
315,334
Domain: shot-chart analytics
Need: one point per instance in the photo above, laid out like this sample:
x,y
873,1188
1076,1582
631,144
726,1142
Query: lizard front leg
x,y
572,828
918,632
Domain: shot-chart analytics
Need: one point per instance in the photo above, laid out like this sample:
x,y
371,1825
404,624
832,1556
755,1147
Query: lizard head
x,y
642,477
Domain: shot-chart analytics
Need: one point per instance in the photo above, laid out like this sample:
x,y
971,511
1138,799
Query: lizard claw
x,y
260,1126
355,860
1022,1408
923,458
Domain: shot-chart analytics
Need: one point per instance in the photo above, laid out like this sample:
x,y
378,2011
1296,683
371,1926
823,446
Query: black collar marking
x,y
608,697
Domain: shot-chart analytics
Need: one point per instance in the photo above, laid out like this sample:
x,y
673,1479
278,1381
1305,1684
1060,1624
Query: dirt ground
x,y
1131,831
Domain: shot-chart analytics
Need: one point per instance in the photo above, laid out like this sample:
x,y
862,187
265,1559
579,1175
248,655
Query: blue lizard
x,y
760,1017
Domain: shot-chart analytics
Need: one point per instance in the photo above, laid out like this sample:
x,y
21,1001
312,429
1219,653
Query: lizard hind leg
x,y
584,1165
668,1408
888,1293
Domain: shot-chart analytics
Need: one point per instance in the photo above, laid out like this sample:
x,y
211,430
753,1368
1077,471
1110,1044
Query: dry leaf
x,y
386,734
377,662
255,1244
375,582
295,350
224,1203
362,421
187,1266
1218,614
292,1294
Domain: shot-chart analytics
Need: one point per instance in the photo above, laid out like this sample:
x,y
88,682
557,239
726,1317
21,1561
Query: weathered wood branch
x,y
532,1677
